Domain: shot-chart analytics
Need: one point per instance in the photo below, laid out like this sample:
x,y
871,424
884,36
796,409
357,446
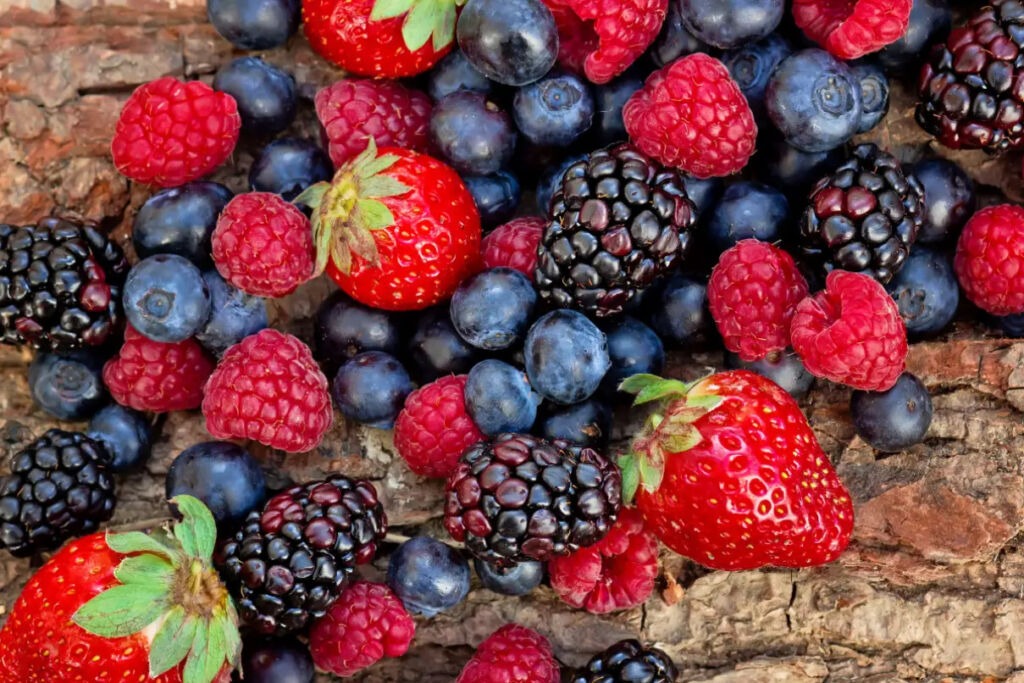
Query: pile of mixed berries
x,y
524,205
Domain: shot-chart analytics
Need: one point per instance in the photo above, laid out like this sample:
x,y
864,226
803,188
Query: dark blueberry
x,y
371,389
1012,325
609,99
223,476
266,96
517,580
473,133
126,434
588,423
703,192
634,349
499,398
234,315
566,356
254,24
874,93
492,309
752,66
344,328
786,370
551,179
674,40
428,576
277,660
68,386
729,24
496,196
679,312
792,169
554,110
930,21
180,220
949,199
288,166
747,210
436,349
514,42
166,298
926,291
896,419
455,73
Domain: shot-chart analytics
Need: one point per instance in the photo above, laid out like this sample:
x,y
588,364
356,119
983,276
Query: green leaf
x,y
680,443
371,214
123,610
706,402
630,477
147,568
313,195
216,647
365,157
444,26
380,186
419,24
375,166
341,255
232,639
362,242
172,642
389,9
198,657
197,529
131,542
322,238
652,469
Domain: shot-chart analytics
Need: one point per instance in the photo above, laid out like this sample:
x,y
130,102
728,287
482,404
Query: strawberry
x,y
729,473
126,607
396,229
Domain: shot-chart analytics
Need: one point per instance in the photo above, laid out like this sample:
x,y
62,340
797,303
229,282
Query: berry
x,y
681,316
223,476
276,660
472,133
166,298
850,30
554,110
925,291
949,199
254,24
125,434
874,95
371,389
171,132
893,420
584,424
674,40
609,99
851,333
366,624
266,96
268,388
566,357
518,580
434,427
180,220
551,181
747,210
703,192
287,166
930,21
634,349
752,66
514,245
795,170
513,42
428,576
730,24
454,73
628,660
436,349
343,328
67,386
156,377
496,196
692,116
1012,325
492,309
989,256
234,315
499,398
785,369
512,654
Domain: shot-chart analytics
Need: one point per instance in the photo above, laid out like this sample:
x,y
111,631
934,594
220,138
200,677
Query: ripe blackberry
x,y
864,217
618,220
288,563
518,498
628,660
970,90
60,285
60,486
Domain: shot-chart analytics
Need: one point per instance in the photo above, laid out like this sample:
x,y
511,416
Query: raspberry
x,y
989,260
616,574
752,294
514,245
851,333
158,377
434,429
171,132
512,654
852,28
269,389
354,110
602,38
366,624
691,115
263,245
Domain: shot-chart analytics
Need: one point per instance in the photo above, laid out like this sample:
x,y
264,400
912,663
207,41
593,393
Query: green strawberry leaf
x,y
652,468
341,255
200,659
123,610
380,186
197,530
142,569
680,443
131,542
313,195
372,214
389,9
232,638
172,642
322,237
650,388
705,402
419,24
444,26
630,466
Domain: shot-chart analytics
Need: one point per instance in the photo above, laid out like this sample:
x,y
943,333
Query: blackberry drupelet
x,y
627,661
60,486
971,89
618,220
289,562
864,217
60,285
519,498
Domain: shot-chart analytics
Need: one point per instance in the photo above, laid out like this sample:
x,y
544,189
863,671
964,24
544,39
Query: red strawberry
x,y
729,473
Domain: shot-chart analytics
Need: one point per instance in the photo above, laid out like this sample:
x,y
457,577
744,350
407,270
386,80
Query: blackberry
x,y
288,563
519,498
864,217
970,87
60,486
618,220
627,661
60,285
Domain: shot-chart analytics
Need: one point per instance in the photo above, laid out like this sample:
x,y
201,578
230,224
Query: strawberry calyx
x,y
425,20
170,593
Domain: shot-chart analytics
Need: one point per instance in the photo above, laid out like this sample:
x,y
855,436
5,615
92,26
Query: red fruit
x,y
729,473
851,333
263,245
852,28
692,116
616,574
434,429
512,654
269,389
602,38
157,377
752,294
514,245
171,132
366,624
989,259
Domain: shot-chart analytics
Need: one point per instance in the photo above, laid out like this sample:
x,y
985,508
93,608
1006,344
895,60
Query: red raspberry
x,y
269,389
602,38
989,260
171,132
263,245
366,624
354,110
434,429
157,377
752,293
851,333
514,245
616,574
852,28
512,654
691,115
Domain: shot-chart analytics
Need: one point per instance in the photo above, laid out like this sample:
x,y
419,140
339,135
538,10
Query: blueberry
x,y
344,328
428,576
474,134
514,42
786,370
234,315
588,423
566,356
747,210
731,23
266,96
496,196
680,312
254,24
674,40
634,349
926,291
874,94
814,100
893,420
126,434
180,220
518,580
551,180
1012,325
454,73
166,298
436,349
703,192
67,386
751,66
371,389
223,476
499,398
277,660
288,166
949,199
609,99
554,110
793,169
492,309
930,21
